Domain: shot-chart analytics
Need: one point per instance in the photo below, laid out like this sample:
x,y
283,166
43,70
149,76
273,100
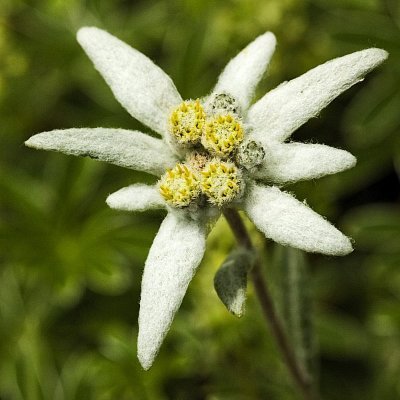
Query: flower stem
x,y
297,371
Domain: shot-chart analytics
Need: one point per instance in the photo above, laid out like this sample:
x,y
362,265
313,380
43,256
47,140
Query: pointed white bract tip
x,y
151,332
343,248
30,142
40,141
370,58
269,38
85,32
137,197
352,161
348,160
379,54
90,36
111,200
146,360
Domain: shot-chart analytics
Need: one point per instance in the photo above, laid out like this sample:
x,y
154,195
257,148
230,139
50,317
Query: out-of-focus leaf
x,y
374,113
341,336
296,306
376,228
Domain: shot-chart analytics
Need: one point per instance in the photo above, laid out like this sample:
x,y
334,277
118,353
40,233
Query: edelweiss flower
x,y
214,152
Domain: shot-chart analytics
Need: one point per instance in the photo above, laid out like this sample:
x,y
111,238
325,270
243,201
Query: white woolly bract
x,y
242,74
287,221
291,162
136,197
129,149
172,261
284,109
144,89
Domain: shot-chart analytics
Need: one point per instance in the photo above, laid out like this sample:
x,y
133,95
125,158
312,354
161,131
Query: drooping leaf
x,y
230,281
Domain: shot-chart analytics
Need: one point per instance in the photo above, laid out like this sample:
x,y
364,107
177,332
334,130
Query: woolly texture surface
x,y
144,89
172,261
287,221
291,162
284,109
136,197
129,149
242,74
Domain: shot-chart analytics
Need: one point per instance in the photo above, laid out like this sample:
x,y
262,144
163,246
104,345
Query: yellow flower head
x,y
179,186
187,122
222,135
220,182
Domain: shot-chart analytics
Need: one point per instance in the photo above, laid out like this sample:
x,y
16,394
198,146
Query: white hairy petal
x,y
287,221
291,162
146,92
137,197
284,109
129,149
172,261
242,74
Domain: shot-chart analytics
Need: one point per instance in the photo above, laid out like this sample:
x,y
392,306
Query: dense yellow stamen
x,y
222,135
179,186
220,182
187,122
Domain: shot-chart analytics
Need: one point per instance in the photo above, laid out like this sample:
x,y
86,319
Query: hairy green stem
x,y
297,371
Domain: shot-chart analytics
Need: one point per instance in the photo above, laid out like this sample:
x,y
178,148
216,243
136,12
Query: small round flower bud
x,y
223,103
250,154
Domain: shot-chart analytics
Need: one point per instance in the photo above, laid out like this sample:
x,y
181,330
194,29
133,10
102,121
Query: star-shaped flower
x,y
215,152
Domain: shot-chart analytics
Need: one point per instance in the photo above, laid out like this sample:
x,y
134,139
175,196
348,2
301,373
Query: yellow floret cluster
x,y
220,182
180,185
187,122
211,143
222,135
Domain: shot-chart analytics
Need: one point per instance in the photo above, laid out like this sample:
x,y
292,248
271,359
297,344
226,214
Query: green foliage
x,y
230,281
70,268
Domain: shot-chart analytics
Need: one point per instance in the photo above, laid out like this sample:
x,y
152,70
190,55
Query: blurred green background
x,y
70,268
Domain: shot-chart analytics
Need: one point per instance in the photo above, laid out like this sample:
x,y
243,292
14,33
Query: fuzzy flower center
x,y
217,156
187,122
220,182
179,186
222,135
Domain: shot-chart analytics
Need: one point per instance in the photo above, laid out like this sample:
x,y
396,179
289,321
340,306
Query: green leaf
x,y
230,281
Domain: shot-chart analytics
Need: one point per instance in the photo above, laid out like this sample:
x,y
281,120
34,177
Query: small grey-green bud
x,y
223,103
250,154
